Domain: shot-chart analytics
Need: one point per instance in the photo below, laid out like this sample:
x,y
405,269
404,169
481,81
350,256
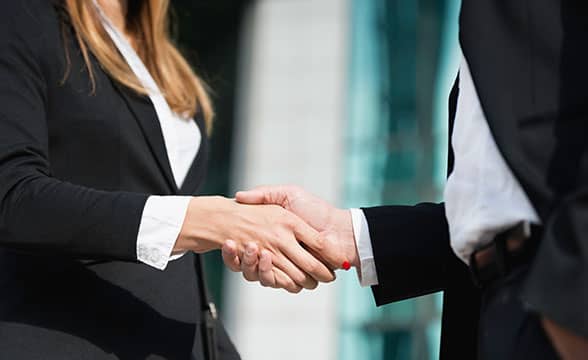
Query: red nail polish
x,y
346,265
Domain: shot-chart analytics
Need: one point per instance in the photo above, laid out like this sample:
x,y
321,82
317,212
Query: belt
x,y
509,250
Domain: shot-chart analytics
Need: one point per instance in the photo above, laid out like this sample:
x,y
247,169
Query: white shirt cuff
x,y
161,223
367,270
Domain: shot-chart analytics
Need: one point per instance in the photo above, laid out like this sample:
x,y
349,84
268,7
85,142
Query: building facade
x,y
346,98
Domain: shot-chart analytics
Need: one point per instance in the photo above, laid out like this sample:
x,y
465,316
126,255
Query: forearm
x,y
44,215
412,252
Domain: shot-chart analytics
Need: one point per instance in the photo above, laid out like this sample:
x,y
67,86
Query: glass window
x,y
402,56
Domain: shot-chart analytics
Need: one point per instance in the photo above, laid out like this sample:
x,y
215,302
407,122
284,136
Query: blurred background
x,y
348,99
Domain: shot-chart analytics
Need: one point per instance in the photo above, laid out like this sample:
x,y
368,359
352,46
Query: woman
x,y
102,143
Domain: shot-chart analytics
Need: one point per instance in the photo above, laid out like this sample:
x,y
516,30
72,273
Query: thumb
x,y
325,246
252,197
274,195
332,250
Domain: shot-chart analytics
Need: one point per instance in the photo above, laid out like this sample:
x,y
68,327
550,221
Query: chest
x,y
110,138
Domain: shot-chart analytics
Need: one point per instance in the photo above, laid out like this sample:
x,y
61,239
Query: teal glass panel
x,y
402,65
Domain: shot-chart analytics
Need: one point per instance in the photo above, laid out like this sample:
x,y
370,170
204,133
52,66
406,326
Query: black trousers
x,y
507,329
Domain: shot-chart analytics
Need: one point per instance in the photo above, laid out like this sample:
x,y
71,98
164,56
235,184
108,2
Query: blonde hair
x,y
185,92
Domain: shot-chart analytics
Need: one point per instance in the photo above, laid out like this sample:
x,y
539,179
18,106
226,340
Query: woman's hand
x,y
212,221
257,266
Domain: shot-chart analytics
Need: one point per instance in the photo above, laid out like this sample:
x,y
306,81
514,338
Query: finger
x,y
266,270
231,256
274,277
283,281
292,271
320,258
305,261
325,244
250,262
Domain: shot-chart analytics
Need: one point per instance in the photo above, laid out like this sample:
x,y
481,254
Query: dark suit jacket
x,y
75,171
528,62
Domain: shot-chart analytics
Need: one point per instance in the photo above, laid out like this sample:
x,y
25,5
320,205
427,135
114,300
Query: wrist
x,y
344,226
203,228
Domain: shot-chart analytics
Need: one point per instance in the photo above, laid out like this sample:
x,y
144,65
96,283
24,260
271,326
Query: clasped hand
x,y
324,233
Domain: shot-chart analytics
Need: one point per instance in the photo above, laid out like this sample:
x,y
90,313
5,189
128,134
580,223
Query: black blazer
x,y
75,171
528,62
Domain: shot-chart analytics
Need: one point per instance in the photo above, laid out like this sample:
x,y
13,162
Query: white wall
x,y
290,128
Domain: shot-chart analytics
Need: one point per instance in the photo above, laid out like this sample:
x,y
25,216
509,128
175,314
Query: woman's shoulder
x,y
25,18
32,10
30,27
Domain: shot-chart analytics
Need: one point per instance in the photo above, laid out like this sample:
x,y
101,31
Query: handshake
x,y
281,236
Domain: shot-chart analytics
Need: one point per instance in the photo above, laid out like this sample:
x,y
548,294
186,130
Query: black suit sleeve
x,y
412,252
39,213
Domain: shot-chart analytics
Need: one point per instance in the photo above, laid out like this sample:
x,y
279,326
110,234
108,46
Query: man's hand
x,y
568,345
336,247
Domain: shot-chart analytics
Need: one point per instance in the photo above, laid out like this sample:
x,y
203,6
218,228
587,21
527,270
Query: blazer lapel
x,y
145,114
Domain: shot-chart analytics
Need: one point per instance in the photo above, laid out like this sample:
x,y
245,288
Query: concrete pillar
x,y
290,129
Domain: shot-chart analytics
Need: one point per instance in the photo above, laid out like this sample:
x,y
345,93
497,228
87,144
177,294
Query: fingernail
x,y
346,265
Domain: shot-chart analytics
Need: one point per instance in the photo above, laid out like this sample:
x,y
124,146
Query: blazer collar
x,y
144,112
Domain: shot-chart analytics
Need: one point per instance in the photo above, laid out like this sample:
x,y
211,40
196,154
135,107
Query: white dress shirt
x,y
163,216
482,196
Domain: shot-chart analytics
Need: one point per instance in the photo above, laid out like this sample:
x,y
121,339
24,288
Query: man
x,y
515,217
